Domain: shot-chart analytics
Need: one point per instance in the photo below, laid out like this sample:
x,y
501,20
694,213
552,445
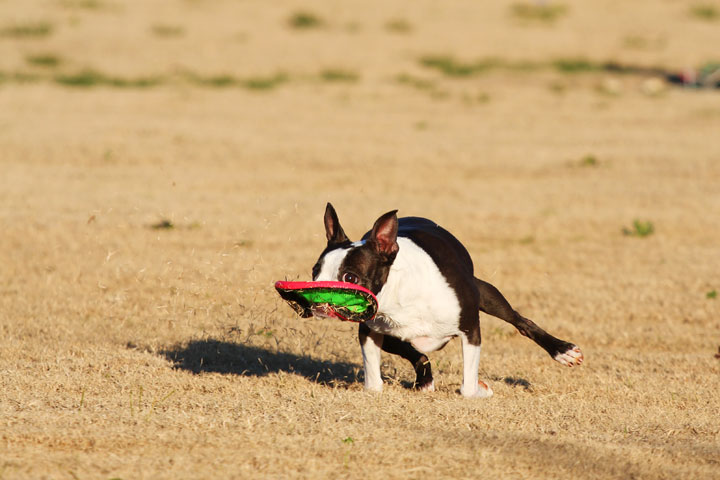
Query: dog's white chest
x,y
416,301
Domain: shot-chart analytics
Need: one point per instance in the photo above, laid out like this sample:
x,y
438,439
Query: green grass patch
x,y
538,12
712,294
421,84
84,4
305,21
589,161
163,224
398,25
339,75
265,332
415,82
215,81
91,78
527,240
45,60
167,31
220,81
705,12
139,82
639,229
576,65
452,67
27,30
86,78
265,83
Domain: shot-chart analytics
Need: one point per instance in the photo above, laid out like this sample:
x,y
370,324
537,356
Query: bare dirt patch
x,y
128,351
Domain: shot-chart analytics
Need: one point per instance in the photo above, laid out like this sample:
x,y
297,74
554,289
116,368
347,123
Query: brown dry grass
x,y
133,352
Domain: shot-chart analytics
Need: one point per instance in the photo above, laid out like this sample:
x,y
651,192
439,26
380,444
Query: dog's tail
x,y
494,303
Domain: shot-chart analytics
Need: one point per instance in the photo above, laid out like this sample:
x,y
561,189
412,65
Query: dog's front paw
x,y
373,387
570,357
482,390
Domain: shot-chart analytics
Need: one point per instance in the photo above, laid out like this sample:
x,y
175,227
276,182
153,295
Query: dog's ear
x,y
384,234
333,230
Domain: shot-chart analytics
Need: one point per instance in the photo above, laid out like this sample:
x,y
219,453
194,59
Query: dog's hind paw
x,y
427,387
571,357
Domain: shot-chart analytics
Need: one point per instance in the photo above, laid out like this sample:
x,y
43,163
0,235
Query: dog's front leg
x,y
472,387
371,344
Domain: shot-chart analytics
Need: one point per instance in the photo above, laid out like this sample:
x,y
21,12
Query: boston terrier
x,y
427,294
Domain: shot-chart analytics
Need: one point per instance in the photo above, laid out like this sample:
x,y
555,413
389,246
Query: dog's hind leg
x,y
420,362
390,344
493,303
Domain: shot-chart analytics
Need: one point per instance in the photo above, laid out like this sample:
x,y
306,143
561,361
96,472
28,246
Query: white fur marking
x,y
416,301
571,357
331,261
471,388
371,362
429,344
430,387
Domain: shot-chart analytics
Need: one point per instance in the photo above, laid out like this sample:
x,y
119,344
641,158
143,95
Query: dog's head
x,y
367,262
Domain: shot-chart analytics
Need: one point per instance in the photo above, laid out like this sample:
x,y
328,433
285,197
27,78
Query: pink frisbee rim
x,y
324,284
289,286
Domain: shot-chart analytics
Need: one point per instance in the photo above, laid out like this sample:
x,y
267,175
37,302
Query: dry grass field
x,y
163,163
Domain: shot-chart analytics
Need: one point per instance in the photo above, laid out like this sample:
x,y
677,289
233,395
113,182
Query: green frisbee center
x,y
346,299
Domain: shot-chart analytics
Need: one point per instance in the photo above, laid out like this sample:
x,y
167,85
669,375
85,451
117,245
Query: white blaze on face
x,y
330,268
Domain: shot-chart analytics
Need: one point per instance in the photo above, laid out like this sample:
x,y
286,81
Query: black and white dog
x,y
427,294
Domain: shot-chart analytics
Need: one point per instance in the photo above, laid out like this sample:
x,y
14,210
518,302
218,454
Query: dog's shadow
x,y
218,356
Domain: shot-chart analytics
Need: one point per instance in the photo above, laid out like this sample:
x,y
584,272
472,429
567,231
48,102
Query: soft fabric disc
x,y
342,300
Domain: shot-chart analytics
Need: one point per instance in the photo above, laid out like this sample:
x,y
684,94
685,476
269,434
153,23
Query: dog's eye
x,y
350,278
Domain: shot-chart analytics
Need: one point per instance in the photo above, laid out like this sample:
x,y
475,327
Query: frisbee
x,y
346,301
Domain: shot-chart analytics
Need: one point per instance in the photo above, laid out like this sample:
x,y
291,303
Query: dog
x,y
427,295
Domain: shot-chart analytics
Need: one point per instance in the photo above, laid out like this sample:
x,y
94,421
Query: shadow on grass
x,y
218,356
514,382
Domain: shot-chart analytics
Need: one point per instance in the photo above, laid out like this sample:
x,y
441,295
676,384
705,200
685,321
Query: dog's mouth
x,y
323,310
